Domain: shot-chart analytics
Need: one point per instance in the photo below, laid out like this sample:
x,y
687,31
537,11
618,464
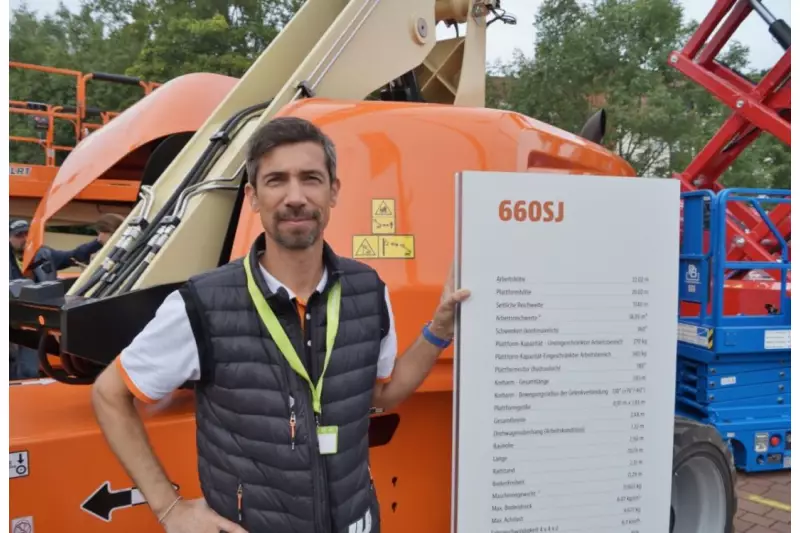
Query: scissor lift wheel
x,y
703,480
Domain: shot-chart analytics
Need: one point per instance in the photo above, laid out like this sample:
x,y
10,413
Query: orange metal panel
x,y
68,458
30,181
181,105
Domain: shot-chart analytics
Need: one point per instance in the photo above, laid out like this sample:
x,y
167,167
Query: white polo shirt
x,y
164,355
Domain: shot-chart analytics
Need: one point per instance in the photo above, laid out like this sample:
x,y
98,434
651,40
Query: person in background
x,y
24,361
48,261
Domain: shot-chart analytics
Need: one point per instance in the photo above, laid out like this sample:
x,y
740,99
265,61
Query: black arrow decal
x,y
104,501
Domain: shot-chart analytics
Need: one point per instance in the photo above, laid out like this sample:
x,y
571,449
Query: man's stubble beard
x,y
300,240
297,241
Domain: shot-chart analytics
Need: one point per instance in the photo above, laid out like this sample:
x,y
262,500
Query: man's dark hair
x,y
287,130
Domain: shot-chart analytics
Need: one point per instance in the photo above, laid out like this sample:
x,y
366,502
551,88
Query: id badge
x,y
328,437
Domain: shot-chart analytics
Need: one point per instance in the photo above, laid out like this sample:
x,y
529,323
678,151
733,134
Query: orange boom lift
x,y
92,181
29,182
406,111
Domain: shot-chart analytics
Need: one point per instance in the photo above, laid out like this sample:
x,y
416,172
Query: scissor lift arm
x,y
756,108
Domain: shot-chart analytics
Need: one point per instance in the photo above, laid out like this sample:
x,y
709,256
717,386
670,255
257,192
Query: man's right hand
x,y
195,516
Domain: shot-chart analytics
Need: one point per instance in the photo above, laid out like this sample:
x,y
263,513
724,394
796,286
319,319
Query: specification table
x,y
565,353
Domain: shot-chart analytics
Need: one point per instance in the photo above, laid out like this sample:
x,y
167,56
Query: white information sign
x,y
565,353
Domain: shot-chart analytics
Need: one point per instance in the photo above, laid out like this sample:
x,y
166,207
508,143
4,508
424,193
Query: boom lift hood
x,y
181,105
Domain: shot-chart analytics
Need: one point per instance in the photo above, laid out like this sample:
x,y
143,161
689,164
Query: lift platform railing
x,y
45,115
706,263
725,267
755,108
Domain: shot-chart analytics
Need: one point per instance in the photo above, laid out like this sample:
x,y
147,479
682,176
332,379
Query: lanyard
x,y
282,341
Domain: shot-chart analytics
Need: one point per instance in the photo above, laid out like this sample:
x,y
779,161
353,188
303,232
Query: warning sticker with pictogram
x,y
18,465
396,246
22,525
365,246
383,207
383,216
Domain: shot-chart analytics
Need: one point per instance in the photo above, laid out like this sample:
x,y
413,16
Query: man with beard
x,y
257,337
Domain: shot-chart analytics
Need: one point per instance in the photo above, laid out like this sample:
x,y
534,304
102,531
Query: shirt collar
x,y
268,284
275,285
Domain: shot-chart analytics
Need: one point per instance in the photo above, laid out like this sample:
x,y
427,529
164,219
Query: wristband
x,y
169,509
433,339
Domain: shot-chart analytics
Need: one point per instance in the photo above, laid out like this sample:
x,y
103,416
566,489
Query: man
x,y
24,361
275,454
48,262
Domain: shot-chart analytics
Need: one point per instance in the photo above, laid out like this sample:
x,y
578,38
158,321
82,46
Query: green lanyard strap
x,y
278,334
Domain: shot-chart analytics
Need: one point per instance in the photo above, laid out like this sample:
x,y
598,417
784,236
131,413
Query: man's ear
x,y
335,187
251,197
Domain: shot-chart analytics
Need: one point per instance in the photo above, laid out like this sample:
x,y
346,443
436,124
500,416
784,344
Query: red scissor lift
x,y
756,107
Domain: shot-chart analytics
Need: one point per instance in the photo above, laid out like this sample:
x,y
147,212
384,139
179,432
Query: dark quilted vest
x,y
243,432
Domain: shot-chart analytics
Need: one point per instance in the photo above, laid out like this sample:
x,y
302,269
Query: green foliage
x,y
609,53
613,54
154,40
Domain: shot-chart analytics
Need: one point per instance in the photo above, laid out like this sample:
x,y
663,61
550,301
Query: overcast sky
x,y
504,39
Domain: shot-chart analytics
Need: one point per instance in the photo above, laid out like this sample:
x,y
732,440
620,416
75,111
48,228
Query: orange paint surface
x,y
183,104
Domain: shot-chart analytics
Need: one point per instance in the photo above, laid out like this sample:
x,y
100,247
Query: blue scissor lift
x,y
734,371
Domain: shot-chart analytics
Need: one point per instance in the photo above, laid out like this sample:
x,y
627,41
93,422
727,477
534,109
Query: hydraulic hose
x,y
169,224
58,375
123,265
135,227
210,155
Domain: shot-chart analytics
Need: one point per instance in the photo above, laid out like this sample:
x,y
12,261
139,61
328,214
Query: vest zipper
x,y
239,497
323,513
292,420
320,483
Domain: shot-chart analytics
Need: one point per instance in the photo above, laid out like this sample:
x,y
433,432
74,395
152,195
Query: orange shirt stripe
x,y
131,385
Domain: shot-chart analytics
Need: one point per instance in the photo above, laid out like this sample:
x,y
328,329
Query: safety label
x,y
696,335
383,216
365,246
18,465
383,246
777,339
396,246
384,242
23,524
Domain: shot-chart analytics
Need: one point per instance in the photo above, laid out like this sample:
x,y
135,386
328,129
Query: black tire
x,y
694,440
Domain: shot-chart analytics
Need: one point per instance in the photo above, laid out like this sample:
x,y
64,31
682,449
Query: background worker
x,y
48,261
275,455
24,361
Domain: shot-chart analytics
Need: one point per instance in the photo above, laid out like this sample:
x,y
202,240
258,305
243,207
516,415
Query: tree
x,y
154,40
613,54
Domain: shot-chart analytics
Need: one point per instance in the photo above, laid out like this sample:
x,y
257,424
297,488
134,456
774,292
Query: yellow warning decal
x,y
396,246
383,207
365,246
383,216
383,246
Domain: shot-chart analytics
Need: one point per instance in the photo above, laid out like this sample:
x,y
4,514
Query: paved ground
x,y
764,503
